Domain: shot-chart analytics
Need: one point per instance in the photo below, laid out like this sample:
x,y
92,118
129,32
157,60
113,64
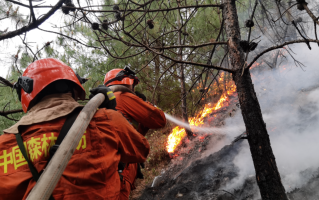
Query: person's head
x,y
45,77
125,77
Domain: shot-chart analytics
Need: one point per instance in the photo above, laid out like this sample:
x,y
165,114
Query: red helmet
x,y
40,74
120,77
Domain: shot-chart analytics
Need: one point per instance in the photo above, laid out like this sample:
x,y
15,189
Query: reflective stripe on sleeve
x,y
110,95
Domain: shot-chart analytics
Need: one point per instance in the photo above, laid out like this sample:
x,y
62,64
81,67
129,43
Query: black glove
x,y
110,101
139,173
140,95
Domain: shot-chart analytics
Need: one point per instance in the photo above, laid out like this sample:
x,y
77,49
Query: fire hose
x,y
53,172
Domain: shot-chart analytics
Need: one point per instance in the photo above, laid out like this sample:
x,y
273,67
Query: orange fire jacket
x,y
147,117
92,170
144,113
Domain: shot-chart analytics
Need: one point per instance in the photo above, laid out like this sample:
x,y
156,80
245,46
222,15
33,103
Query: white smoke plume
x,y
289,98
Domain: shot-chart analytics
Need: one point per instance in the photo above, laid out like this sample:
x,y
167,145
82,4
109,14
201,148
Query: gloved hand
x,y
140,95
110,101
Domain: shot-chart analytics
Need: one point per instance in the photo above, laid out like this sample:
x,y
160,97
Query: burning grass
x,y
166,143
179,133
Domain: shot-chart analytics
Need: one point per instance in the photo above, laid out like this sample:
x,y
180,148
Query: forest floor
x,y
159,161
205,167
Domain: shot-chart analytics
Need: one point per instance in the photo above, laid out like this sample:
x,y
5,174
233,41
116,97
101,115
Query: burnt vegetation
x,y
176,46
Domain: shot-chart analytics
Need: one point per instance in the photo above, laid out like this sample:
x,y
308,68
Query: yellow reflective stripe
x,y
36,148
110,95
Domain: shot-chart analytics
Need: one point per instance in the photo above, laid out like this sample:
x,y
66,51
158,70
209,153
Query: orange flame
x,y
178,133
175,138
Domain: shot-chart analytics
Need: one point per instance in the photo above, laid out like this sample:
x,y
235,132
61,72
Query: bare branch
x,y
45,45
158,81
146,64
279,47
179,61
157,10
313,17
285,12
171,47
5,82
5,113
249,34
69,38
18,3
315,25
191,46
217,38
32,12
307,42
34,24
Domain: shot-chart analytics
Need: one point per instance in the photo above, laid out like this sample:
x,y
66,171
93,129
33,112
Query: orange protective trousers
x,y
148,117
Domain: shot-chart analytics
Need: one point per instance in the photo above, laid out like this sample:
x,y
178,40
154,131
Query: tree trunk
x,y
182,79
184,105
267,175
157,75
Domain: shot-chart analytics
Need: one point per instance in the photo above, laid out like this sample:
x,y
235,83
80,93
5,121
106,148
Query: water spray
x,y
197,129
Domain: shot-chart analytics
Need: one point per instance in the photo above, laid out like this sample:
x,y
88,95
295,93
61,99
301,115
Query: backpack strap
x,y
64,130
33,170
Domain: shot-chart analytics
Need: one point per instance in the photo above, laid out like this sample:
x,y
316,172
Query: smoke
x,y
289,99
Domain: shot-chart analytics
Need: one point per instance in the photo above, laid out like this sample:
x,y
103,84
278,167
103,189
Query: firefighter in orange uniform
x,y
141,114
48,91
